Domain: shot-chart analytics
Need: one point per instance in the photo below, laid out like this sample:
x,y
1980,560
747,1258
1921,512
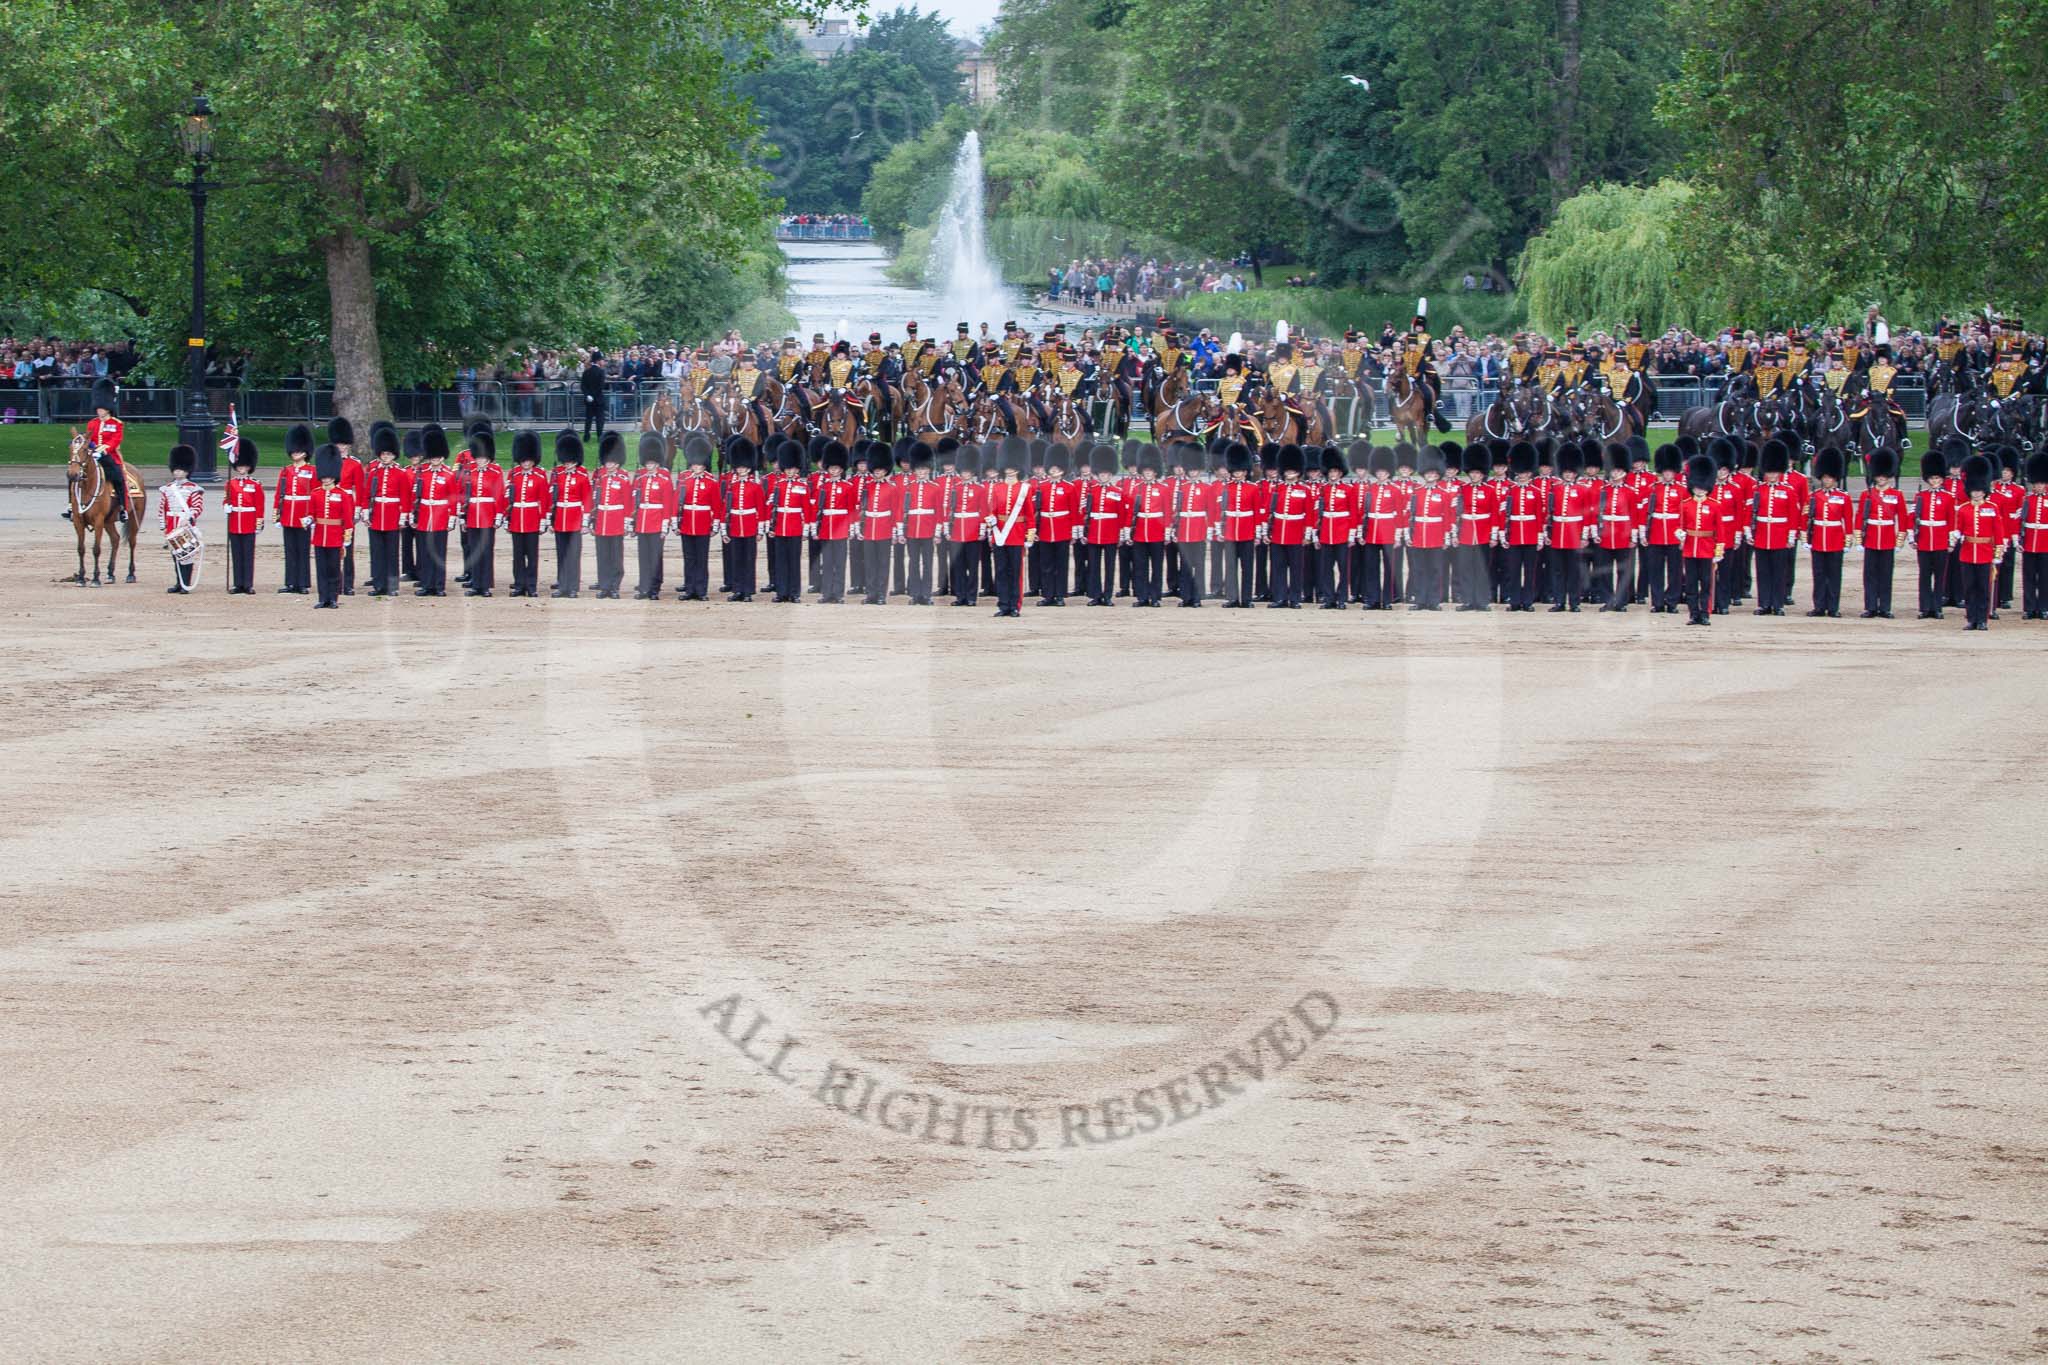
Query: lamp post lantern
x,y
195,414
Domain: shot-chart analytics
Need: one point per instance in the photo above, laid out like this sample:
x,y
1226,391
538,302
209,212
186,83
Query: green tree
x,y
1899,171
926,44
1608,258
405,185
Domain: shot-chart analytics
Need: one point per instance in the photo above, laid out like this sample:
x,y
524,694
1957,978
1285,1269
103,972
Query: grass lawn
x,y
28,443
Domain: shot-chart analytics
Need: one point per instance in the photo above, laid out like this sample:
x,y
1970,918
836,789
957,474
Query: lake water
x,y
831,282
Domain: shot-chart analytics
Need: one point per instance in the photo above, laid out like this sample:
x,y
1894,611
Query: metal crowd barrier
x,y
823,232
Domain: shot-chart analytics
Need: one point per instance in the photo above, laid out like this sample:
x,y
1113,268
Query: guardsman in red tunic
x,y
244,504
1241,519
966,514
180,503
294,499
483,512
1150,519
1479,524
922,525
1640,480
526,512
1194,522
1567,517
1432,528
746,510
700,507
792,513
103,433
876,525
1105,516
654,513
1777,518
611,513
1522,530
436,496
1058,502
341,434
1660,531
1384,507
332,523
1701,537
572,495
838,501
1290,528
1830,521
388,484
2031,535
1618,520
1008,524
1933,520
1882,519
1982,530
1339,511
2008,493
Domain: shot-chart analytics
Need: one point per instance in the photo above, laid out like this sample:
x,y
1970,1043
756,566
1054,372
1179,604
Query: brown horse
x,y
1357,399
737,415
934,408
1188,418
93,507
886,416
661,420
1407,407
1069,426
837,418
1304,425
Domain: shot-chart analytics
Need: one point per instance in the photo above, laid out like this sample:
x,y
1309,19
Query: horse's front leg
x,y
131,548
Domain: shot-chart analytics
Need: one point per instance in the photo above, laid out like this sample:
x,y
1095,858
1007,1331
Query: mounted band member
x,y
1878,374
1420,359
103,433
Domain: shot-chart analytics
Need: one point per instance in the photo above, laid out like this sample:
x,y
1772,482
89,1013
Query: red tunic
x,y
1523,516
1830,521
1479,514
1194,511
1241,505
333,515
923,508
1701,530
1386,512
966,508
485,502
611,507
880,503
746,506
1660,524
435,498
295,485
1152,512
390,492
528,501
1776,515
1432,516
1934,515
1883,516
106,433
1059,508
1010,505
654,501
1984,532
792,510
1572,509
1339,512
1617,516
699,505
2033,524
242,499
570,491
836,503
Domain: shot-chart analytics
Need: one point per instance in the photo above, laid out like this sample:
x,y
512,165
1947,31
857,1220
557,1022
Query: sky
x,y
966,17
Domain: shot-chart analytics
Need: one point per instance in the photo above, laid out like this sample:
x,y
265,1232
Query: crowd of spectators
x,y
40,362
1129,280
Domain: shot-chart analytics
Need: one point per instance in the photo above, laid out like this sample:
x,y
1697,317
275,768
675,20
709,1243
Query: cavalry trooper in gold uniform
x,y
1879,372
1230,385
1798,357
1741,352
963,344
1573,372
1549,371
817,359
1351,356
1420,360
786,364
1770,371
1520,360
926,357
1637,349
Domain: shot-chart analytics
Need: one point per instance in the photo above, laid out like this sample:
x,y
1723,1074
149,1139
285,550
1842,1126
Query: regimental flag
x,y
231,438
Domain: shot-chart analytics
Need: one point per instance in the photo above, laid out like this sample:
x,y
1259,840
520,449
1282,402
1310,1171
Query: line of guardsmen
x,y
1565,522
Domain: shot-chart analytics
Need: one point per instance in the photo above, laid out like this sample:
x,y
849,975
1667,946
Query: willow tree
x,y
1608,258
405,184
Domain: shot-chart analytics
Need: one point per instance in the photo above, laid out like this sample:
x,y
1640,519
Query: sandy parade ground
x,y
484,980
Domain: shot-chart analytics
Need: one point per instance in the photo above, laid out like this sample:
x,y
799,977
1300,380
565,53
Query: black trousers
x,y
181,575
1471,575
481,561
1009,569
648,551
348,567
1726,580
593,416
1054,569
744,566
727,550
1173,567
1219,564
1262,572
1933,578
242,563
899,559
1976,591
785,567
1377,575
1190,583
1567,582
1773,583
1617,577
409,553
611,562
1877,580
525,562
1148,558
967,573
696,584
1333,574
384,561
1660,572
327,566
874,571
298,553
2034,584
917,571
1827,580
433,565
465,536
1518,575
830,579
856,565
817,558
568,562
1126,560
1237,572
1698,577
2004,580
1426,576
1098,572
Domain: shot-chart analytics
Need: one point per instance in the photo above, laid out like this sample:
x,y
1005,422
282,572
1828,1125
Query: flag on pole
x,y
231,438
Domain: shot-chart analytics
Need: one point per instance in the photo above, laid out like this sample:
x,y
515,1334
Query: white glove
x,y
405,521
724,538
1172,536
259,528
1793,542
988,524
1401,536
1955,538
501,523
1123,537
1077,535
897,535
1500,538
1309,538
1543,540
1357,536
668,528
1264,536
939,532
1451,541
811,529
856,533
1640,536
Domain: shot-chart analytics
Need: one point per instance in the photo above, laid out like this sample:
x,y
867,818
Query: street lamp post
x,y
195,414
